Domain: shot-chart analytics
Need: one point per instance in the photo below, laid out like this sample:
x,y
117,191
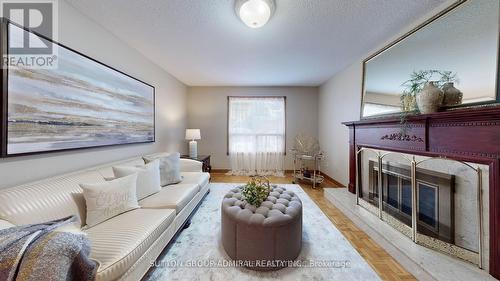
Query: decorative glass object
x,y
306,145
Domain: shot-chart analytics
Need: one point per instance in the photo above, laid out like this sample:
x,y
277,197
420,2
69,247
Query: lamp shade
x,y
193,134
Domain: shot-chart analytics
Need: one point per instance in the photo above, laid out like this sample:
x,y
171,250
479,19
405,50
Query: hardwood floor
x,y
385,266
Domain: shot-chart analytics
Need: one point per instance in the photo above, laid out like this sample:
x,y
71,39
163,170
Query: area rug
x,y
197,253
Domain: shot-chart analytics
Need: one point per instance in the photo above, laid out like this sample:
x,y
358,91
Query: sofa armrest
x,y
5,224
189,165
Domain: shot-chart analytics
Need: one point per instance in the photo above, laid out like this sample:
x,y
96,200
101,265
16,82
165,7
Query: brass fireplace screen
x,y
418,202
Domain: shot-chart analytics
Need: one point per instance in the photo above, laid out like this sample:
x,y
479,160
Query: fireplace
x,y
435,198
432,201
466,136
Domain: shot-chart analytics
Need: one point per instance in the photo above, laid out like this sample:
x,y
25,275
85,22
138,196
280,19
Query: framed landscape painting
x,y
81,103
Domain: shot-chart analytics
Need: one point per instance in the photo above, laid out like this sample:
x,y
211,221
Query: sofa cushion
x,y
175,196
148,177
119,242
108,199
46,200
198,178
170,167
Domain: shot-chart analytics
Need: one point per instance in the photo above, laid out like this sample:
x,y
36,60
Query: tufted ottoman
x,y
263,238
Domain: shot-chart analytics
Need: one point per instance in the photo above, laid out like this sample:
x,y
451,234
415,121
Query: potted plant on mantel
x,y
423,95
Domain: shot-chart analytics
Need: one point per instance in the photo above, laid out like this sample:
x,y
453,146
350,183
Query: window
x,y
256,125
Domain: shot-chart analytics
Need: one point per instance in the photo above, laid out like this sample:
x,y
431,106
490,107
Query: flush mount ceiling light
x,y
255,13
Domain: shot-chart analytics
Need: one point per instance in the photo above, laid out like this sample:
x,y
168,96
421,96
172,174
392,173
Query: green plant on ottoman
x,y
256,190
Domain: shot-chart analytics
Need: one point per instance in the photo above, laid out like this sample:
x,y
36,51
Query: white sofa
x,y
125,245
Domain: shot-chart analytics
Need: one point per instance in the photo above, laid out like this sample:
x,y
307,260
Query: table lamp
x,y
192,135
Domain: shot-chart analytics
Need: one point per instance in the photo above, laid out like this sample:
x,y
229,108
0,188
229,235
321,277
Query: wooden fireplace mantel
x,y
471,135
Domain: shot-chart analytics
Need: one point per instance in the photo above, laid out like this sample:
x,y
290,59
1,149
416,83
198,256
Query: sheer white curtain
x,y
256,130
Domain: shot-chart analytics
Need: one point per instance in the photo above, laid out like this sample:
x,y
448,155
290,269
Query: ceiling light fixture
x,y
255,13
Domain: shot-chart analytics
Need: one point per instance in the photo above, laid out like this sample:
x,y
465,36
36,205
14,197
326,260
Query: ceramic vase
x,y
430,98
452,95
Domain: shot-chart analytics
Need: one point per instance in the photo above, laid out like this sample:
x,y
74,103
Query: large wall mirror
x,y
459,46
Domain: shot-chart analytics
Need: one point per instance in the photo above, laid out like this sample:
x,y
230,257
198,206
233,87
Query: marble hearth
x,y
422,262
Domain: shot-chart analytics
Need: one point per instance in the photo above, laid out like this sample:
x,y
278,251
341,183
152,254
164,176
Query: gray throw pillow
x,y
170,167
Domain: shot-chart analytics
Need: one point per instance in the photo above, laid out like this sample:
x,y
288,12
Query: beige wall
x,y
78,32
340,100
207,110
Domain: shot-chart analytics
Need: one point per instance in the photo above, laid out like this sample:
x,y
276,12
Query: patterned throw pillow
x,y
170,167
109,199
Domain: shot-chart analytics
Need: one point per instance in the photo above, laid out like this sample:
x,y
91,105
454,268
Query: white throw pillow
x,y
170,167
109,199
148,177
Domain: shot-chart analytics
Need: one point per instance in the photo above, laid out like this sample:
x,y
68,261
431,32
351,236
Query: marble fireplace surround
x,y
469,135
465,227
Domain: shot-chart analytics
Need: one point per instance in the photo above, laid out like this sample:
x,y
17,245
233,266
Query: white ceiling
x,y
203,43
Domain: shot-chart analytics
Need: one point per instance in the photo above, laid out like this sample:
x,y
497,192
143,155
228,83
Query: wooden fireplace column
x,y
471,135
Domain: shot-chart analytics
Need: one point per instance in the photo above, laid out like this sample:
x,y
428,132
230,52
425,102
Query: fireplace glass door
x,y
444,196
434,198
448,207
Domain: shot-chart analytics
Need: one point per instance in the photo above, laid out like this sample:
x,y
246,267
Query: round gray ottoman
x,y
264,238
